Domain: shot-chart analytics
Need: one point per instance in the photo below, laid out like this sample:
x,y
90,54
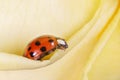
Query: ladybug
x,y
43,46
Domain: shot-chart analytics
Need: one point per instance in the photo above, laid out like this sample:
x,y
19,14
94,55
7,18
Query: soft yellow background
x,y
91,28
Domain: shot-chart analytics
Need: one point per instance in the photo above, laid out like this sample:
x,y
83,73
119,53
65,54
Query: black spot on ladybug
x,y
37,43
43,49
51,40
32,54
29,48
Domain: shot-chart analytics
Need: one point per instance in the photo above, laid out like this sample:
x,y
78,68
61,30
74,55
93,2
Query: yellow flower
x,y
91,28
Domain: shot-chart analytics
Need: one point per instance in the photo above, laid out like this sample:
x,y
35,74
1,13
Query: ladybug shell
x,y
41,47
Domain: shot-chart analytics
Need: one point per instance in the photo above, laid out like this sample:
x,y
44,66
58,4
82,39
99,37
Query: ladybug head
x,y
62,44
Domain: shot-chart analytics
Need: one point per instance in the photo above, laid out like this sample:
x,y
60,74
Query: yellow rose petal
x,y
80,22
104,62
21,21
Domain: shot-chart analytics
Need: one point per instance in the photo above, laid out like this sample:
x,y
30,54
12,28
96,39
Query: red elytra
x,y
43,46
